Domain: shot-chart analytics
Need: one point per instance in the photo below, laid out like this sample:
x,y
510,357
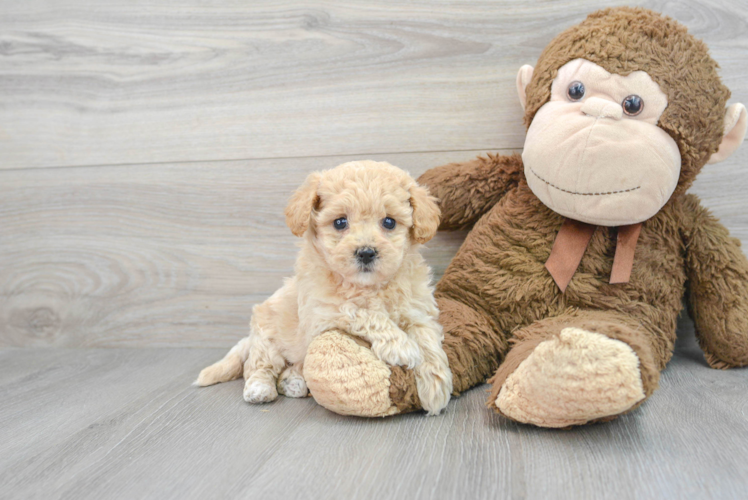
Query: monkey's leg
x,y
577,368
345,376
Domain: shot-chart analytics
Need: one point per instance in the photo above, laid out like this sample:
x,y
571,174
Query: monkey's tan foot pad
x,y
347,378
572,379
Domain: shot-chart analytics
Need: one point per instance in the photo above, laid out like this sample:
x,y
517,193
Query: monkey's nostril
x,y
366,255
597,107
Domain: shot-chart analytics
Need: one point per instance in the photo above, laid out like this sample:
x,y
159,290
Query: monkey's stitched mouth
x,y
582,194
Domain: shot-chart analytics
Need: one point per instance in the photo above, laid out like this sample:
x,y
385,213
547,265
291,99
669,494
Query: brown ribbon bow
x,y
571,243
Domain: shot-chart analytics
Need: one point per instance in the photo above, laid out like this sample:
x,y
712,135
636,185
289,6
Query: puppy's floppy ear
x,y
426,213
300,206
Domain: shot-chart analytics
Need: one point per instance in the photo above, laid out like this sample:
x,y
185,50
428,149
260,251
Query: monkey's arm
x,y
717,272
468,190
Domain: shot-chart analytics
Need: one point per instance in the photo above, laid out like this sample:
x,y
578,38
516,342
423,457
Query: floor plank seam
x,y
264,158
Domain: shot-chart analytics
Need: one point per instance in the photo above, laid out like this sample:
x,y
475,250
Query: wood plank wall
x,y
147,149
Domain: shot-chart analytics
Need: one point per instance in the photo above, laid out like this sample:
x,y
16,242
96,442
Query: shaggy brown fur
x,y
623,40
496,298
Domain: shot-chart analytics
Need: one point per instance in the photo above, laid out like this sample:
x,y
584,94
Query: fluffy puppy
x,y
359,271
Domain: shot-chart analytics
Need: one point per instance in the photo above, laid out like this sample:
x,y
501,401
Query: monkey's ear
x,y
736,123
300,206
523,78
426,213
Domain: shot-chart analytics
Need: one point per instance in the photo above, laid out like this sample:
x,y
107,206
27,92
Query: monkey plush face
x,y
594,152
623,110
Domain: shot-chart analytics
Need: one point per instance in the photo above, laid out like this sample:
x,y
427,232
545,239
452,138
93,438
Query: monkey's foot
x,y
346,377
571,379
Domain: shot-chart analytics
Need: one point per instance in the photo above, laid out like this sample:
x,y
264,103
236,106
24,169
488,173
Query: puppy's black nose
x,y
366,255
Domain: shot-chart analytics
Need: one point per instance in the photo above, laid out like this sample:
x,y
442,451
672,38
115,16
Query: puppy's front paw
x,y
434,383
259,392
401,351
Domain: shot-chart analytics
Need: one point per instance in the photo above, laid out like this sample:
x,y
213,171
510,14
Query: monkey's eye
x,y
576,91
633,105
340,224
388,223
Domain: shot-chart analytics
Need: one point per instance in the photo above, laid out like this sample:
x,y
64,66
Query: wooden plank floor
x,y
125,423
147,150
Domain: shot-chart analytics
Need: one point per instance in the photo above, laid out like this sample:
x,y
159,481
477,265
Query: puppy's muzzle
x,y
366,255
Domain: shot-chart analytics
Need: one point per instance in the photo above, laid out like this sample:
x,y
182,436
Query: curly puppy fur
x,y
388,301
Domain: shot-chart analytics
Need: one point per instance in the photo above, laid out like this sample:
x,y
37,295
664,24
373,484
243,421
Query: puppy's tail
x,y
229,368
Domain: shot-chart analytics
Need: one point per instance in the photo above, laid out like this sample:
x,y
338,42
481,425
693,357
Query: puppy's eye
x,y
633,105
340,224
576,91
388,223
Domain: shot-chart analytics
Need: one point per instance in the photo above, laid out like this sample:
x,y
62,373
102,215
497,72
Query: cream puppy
x,y
358,271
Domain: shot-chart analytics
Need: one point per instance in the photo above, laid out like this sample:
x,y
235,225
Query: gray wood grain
x,y
91,83
177,255
124,423
169,256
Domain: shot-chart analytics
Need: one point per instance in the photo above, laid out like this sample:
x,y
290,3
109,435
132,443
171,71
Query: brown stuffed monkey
x,y
568,287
